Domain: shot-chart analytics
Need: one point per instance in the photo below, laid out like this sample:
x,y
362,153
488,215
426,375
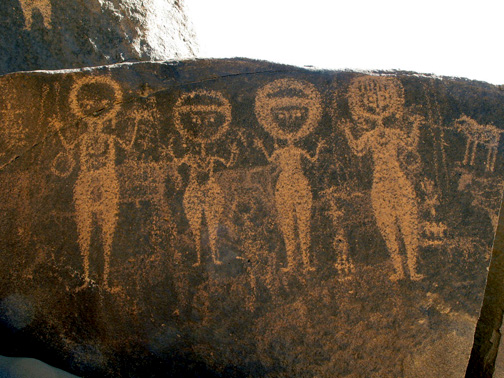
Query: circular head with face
x,y
95,96
288,109
373,98
202,116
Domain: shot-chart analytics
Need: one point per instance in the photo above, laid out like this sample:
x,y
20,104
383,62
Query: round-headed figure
x,y
96,99
375,99
377,107
202,117
289,110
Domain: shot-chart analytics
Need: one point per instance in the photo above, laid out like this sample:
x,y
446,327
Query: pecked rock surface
x,y
241,218
50,34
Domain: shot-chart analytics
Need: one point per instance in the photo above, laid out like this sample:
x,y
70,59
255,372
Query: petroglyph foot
x,y
396,277
111,289
85,285
416,276
196,264
309,268
217,262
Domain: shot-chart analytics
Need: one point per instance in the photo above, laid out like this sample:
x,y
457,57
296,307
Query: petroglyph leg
x,y
193,206
408,224
108,223
492,156
387,225
467,151
473,154
84,222
287,219
303,214
214,206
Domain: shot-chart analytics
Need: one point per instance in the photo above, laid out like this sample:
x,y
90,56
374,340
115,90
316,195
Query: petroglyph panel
x,y
239,218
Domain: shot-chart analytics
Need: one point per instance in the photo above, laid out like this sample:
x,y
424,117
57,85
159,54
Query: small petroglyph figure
x,y
43,6
289,110
486,135
334,196
96,100
377,106
202,117
434,231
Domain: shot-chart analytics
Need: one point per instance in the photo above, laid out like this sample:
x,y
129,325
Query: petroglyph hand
x,y
320,146
359,146
260,145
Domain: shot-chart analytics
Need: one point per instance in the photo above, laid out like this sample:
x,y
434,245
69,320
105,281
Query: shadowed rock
x,y
241,218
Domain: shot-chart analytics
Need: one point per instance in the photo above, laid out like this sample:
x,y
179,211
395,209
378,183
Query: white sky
x,y
444,37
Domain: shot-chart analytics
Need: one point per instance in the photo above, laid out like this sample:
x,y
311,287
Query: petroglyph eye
x,y
290,118
195,119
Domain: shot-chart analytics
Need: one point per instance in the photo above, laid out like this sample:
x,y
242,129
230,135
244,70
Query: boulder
x,y
243,218
48,34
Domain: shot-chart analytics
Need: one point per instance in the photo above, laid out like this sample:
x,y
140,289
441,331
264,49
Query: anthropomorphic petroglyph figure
x,y
30,6
434,231
96,100
377,106
289,110
486,135
202,117
344,263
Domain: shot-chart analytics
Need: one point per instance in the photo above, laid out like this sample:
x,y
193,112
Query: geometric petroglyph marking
x,y
289,110
203,116
486,135
43,6
371,100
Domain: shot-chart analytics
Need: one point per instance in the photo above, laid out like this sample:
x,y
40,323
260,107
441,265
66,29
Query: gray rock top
x,y
50,34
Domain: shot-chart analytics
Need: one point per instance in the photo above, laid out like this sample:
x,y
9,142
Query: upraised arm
x,y
232,159
359,146
55,123
129,145
317,152
259,144
409,140
414,135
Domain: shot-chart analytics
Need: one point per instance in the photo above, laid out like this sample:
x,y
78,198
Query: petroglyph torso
x,y
97,151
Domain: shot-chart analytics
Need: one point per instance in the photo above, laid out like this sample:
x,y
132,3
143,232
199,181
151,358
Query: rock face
x,y
487,358
49,34
241,218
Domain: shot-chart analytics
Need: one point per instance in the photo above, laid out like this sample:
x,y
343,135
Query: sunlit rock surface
x,y
241,218
48,34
